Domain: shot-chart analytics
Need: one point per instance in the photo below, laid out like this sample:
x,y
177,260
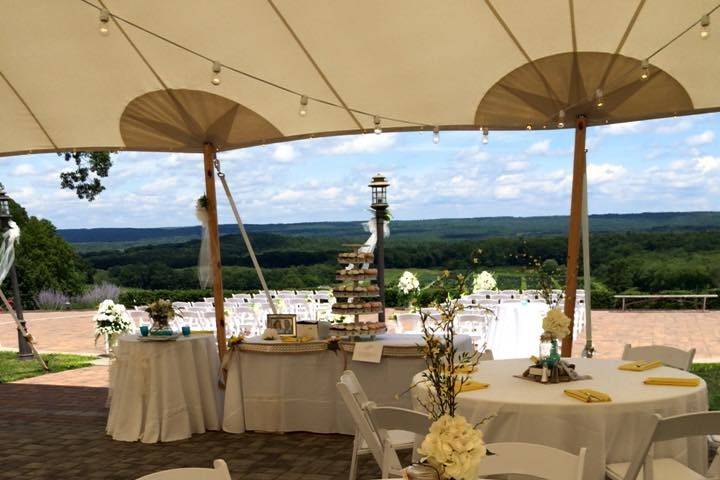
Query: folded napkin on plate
x,y
641,365
588,395
674,381
470,386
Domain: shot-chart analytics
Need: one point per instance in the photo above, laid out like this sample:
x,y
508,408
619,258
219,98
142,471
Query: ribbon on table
x,y
204,271
7,249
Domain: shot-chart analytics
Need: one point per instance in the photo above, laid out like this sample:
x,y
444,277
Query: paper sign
x,y
367,352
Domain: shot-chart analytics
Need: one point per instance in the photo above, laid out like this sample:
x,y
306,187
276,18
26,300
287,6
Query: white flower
x,y
408,283
484,281
556,323
111,318
454,447
270,334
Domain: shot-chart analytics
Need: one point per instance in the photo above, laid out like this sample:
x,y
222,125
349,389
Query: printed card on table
x,y
370,352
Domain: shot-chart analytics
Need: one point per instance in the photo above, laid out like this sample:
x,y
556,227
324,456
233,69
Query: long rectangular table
x,y
285,387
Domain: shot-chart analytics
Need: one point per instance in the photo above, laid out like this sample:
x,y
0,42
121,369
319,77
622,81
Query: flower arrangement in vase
x,y
484,281
160,312
111,320
453,447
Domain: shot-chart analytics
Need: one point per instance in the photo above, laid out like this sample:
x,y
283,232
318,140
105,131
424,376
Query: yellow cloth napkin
x,y
673,381
295,339
470,386
641,365
588,395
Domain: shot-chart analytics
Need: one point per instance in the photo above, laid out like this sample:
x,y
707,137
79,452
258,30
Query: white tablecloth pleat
x,y
164,391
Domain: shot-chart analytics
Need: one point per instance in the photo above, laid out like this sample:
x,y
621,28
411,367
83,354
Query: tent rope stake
x,y
243,232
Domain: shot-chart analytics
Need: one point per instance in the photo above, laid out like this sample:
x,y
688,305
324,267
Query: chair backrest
x,y
396,418
219,472
355,400
487,354
533,460
670,356
670,428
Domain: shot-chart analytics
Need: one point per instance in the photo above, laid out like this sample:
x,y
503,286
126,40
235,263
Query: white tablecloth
x,y
516,331
164,391
531,412
285,392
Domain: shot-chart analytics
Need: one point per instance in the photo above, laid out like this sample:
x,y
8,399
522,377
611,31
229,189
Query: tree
x,y
87,163
43,259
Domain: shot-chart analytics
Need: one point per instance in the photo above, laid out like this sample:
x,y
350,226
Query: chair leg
x,y
354,460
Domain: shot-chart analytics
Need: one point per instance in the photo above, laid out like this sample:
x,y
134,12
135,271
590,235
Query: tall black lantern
x,y
24,350
378,186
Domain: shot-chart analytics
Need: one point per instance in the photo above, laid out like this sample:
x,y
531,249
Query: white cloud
x,y
623,128
368,143
473,154
284,153
23,169
707,164
160,185
516,165
605,172
701,139
539,148
676,126
507,191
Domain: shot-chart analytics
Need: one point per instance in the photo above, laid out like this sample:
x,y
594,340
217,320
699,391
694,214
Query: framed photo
x,y
284,323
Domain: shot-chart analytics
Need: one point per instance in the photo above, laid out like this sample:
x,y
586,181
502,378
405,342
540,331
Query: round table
x,y
164,390
527,411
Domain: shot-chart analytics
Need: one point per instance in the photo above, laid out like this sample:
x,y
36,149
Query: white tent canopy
x,y
417,65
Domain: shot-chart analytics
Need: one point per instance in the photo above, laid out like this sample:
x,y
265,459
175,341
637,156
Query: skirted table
x,y
164,391
274,386
526,411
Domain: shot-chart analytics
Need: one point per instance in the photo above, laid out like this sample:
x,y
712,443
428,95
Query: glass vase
x,y
549,354
160,327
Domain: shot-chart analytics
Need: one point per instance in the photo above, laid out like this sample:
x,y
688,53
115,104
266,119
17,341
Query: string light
x,y
528,127
303,106
378,128
486,134
561,119
217,66
104,22
645,69
705,26
436,135
599,98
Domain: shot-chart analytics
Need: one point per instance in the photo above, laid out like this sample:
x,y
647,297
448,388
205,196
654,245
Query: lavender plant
x,y
50,299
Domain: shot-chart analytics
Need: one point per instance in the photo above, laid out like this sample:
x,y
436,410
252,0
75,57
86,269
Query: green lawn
x,y
12,369
710,372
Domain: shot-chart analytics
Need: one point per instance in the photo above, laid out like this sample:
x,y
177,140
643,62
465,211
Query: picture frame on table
x,y
284,323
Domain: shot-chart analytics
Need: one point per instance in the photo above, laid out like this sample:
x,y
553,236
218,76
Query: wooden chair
x,y
670,356
367,440
219,472
663,429
537,461
388,419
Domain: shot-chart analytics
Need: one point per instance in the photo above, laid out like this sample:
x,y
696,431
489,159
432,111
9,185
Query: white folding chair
x,y
389,419
670,356
663,429
219,472
537,461
367,439
408,322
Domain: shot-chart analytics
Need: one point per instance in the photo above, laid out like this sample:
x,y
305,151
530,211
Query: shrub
x,y
136,297
50,299
95,295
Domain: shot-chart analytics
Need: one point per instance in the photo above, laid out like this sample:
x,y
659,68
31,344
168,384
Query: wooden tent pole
x,y
573,250
216,266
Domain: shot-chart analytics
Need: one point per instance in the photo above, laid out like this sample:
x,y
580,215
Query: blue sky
x,y
662,165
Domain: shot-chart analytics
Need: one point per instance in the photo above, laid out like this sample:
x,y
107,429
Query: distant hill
x,y
439,229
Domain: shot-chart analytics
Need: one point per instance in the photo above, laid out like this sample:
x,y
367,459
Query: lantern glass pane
x,y
4,208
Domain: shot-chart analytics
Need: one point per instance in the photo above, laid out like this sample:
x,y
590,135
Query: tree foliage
x,y
89,168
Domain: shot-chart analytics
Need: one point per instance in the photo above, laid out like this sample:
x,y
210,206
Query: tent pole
x,y
208,157
589,350
574,230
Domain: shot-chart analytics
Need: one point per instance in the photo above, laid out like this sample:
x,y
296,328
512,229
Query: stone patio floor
x,y
53,426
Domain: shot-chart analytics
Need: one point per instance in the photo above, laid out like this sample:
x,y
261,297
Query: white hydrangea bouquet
x,y
111,320
409,287
454,448
484,281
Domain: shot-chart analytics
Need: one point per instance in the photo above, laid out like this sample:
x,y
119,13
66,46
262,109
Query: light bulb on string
x,y
104,22
486,134
303,106
705,26
217,67
378,128
436,135
528,127
645,69
561,119
599,101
